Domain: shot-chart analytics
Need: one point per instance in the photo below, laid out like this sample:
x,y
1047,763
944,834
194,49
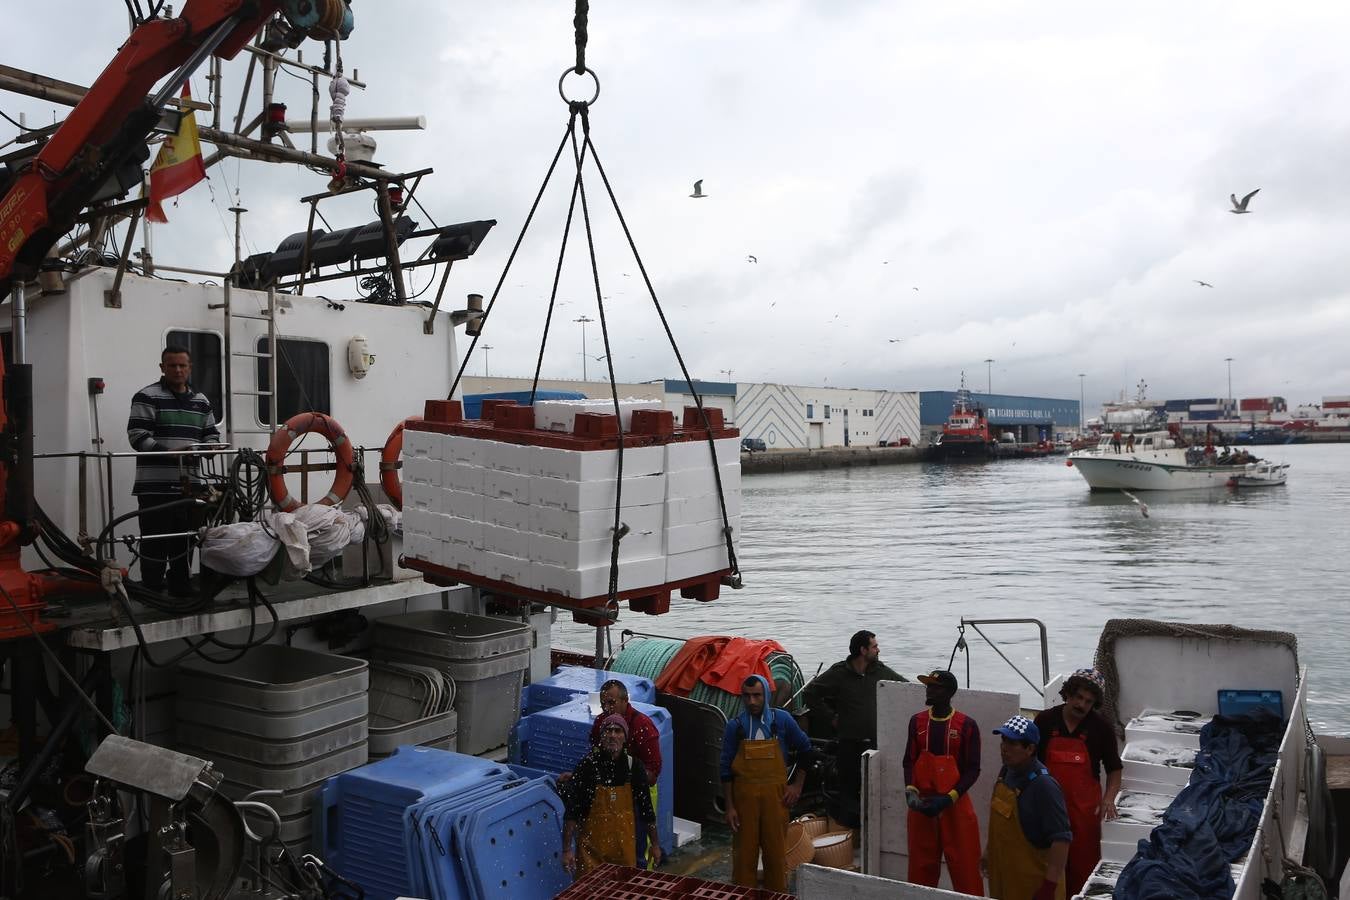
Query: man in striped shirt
x,y
168,415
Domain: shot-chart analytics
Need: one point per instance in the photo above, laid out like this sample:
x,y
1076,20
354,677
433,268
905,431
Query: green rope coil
x,y
646,657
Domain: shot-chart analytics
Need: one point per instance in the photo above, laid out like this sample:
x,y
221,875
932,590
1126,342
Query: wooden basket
x,y
800,849
814,826
833,849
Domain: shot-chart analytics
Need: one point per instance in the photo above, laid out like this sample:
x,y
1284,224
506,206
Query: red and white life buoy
x,y
297,425
390,463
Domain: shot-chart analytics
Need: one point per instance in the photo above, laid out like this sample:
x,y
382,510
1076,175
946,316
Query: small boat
x,y
966,434
1261,474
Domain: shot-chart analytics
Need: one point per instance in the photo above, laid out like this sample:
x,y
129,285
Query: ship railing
x,y
974,625
99,474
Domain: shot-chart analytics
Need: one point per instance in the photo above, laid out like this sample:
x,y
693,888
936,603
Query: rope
x,y
579,26
646,658
464,363
735,578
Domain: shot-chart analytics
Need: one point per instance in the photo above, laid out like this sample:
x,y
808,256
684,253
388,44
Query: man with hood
x,y
846,693
606,799
757,747
942,763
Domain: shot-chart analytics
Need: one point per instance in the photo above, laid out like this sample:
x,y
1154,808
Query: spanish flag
x,y
178,166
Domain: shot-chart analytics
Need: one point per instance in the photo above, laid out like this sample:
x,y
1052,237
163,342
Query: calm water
x,y
906,551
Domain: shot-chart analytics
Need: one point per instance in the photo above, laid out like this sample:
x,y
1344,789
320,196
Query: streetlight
x,y
988,376
584,322
1082,413
1228,401
726,372
486,348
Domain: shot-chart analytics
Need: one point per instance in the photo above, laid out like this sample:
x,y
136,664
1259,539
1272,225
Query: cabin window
x,y
810,410
302,376
207,363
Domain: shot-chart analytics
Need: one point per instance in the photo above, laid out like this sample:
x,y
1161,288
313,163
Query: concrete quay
x,y
827,458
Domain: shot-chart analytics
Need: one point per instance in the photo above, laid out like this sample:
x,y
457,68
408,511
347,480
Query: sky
x,y
922,186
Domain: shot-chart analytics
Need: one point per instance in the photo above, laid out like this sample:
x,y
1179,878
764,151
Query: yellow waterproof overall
x,y
607,835
1016,868
760,777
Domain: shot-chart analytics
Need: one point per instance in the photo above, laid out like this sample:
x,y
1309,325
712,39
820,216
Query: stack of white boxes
x,y
542,517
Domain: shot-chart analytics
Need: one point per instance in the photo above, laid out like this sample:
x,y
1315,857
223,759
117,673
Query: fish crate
x,y
611,882
569,683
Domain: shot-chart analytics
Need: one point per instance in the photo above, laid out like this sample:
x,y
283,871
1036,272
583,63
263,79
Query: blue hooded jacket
x,y
795,745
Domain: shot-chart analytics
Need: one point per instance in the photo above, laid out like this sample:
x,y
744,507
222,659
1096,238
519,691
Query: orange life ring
x,y
390,463
304,423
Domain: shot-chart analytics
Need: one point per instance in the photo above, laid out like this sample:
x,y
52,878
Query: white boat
x,y
1261,474
1150,461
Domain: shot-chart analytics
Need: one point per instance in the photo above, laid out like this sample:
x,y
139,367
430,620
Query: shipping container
x,y
1340,401
1257,404
1205,407
1177,405
1205,415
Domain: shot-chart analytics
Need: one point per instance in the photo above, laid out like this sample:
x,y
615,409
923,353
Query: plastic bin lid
x,y
514,847
1236,702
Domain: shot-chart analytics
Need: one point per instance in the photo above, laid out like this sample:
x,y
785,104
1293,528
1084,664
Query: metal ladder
x,y
270,355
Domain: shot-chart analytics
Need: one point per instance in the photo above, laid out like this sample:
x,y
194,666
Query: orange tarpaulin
x,y
718,661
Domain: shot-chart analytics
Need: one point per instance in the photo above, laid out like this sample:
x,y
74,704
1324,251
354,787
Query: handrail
x,y
1045,647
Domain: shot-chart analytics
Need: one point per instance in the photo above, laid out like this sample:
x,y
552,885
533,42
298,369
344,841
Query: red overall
x,y
955,833
1069,764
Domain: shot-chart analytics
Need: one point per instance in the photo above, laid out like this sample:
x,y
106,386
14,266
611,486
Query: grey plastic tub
x,y
273,726
274,678
387,735
257,777
460,671
284,752
449,744
291,803
452,635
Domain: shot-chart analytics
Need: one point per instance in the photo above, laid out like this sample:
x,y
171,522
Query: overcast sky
x,y
1037,183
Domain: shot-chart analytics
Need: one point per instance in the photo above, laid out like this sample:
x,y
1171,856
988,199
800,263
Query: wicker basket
x,y
800,849
814,826
833,849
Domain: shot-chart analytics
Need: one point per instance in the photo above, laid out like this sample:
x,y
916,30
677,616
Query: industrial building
x,y
1027,419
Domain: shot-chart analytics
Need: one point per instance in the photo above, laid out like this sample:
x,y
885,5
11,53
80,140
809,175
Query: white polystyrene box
x,y
683,538
464,504
421,443
503,567
507,485
509,541
460,449
464,477
421,496
695,454
579,584
416,546
505,457
639,490
418,521
593,523
422,470
689,510
553,551
506,512
464,531
698,482
693,563
591,465
561,415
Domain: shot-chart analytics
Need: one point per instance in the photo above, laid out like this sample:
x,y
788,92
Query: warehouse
x,y
1027,419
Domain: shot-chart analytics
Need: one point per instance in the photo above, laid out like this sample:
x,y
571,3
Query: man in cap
x,y
757,747
1076,744
942,762
606,800
644,740
846,693
1029,832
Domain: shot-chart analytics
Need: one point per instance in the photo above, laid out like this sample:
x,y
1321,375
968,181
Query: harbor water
x,y
906,551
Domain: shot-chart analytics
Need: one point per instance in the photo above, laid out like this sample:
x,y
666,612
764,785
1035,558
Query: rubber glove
x,y
939,805
913,800
1046,891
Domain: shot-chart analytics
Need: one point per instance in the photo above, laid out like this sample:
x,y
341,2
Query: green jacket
x,y
842,692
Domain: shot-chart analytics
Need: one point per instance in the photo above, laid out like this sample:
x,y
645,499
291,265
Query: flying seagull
x,y
751,258
893,340
1202,283
1240,206
1143,507
699,195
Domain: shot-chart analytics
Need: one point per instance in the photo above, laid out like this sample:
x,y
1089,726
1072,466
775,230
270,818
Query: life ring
x,y
390,463
297,425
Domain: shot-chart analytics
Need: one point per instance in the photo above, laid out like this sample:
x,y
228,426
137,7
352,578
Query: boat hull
x,y
1123,473
957,450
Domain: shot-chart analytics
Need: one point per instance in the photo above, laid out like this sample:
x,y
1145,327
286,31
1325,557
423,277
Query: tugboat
x,y
966,434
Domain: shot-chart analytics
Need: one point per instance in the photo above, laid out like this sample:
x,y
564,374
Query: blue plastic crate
x,y
1234,702
513,847
556,739
427,841
569,683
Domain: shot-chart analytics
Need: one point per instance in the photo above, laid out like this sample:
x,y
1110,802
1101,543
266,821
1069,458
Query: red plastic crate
x,y
611,882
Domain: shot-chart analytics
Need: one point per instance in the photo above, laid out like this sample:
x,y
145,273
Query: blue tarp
x,y
1211,822
473,403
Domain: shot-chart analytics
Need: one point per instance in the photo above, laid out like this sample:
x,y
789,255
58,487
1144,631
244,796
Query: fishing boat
x,y
1261,474
1151,461
965,434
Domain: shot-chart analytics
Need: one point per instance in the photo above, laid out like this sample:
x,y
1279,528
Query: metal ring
x,y
589,72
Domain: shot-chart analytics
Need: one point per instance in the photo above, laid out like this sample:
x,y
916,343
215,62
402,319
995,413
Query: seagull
x,y
1143,507
1202,283
1240,207
913,289
773,304
893,340
750,258
699,195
